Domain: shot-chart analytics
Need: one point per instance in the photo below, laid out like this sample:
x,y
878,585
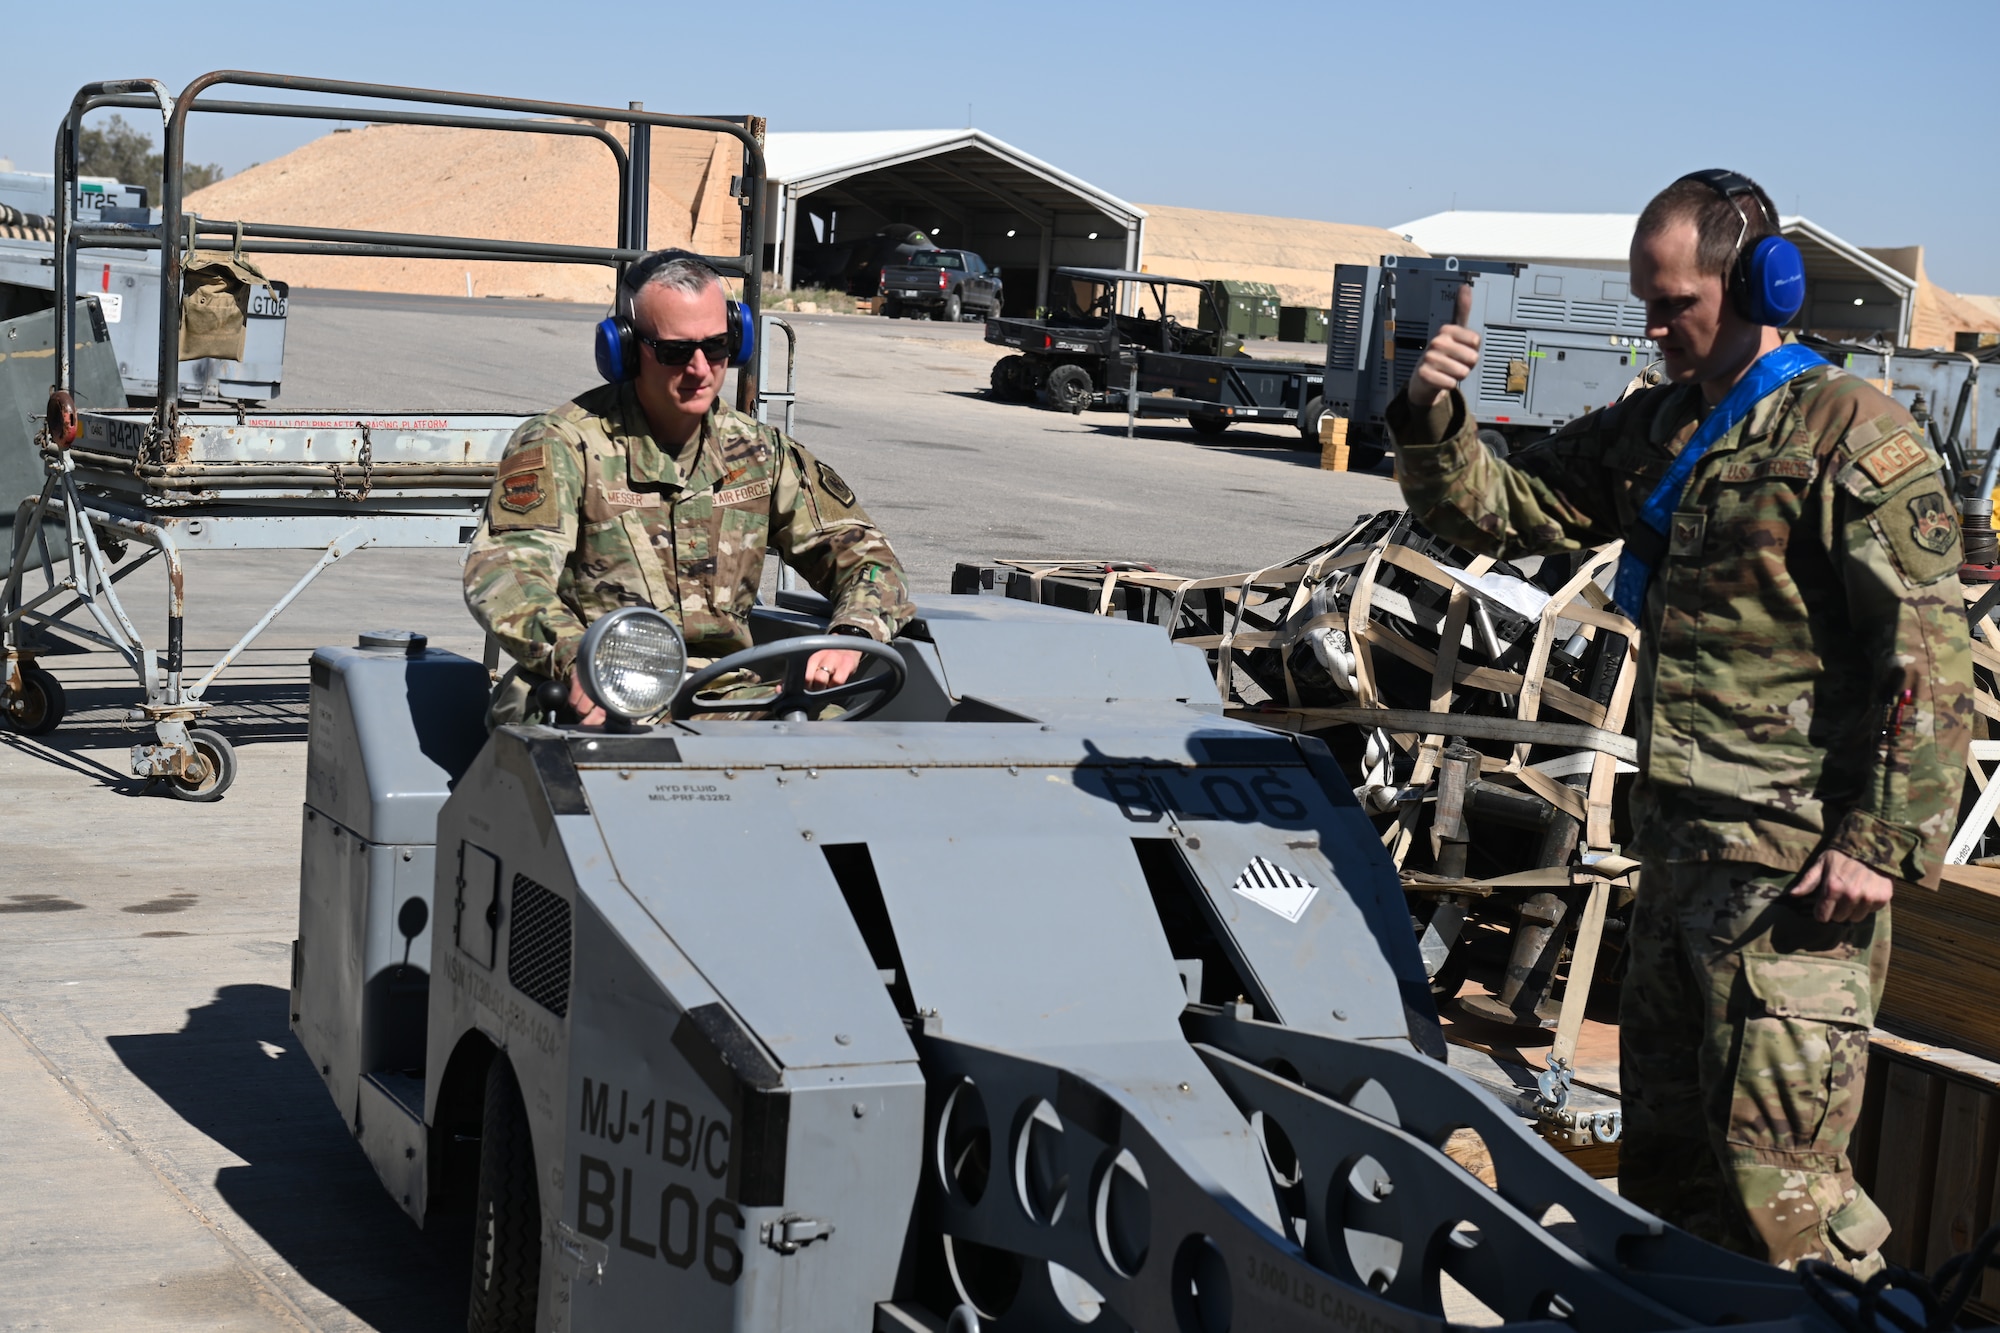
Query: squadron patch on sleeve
x,y
1933,526
1891,459
830,482
521,491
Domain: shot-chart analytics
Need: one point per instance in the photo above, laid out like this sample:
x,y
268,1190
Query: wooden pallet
x,y
1944,968
1926,1149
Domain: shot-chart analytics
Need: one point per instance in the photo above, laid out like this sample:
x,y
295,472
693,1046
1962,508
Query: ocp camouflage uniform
x,y
588,514
1810,581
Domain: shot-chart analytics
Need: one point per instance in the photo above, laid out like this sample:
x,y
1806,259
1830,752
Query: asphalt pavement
x,y
170,1159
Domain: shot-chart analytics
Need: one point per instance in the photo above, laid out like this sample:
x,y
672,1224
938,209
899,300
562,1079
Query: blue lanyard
x,y
1771,372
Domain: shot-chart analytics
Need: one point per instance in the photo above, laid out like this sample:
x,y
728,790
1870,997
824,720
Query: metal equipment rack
x,y
175,480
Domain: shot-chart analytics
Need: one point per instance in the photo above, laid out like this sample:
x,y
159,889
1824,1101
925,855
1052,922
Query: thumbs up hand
x,y
1453,352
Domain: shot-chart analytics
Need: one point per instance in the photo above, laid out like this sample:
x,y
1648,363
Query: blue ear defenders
x,y
617,343
1767,282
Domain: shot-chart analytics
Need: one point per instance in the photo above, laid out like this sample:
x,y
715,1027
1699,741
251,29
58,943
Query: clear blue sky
x,y
1874,119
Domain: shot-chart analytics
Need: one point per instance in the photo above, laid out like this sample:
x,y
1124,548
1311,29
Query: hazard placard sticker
x,y
1275,889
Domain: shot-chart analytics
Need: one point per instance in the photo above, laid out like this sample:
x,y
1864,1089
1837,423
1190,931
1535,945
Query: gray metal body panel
x,y
1579,332
388,733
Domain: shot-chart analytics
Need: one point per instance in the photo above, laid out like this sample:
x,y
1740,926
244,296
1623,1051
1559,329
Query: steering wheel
x,y
794,702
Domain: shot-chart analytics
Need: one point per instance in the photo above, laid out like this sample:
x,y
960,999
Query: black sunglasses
x,y
680,351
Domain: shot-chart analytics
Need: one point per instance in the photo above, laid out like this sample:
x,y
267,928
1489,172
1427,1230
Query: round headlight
x,y
632,662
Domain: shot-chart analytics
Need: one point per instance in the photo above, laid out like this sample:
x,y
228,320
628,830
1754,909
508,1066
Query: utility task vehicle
x,y
1030,992
1084,353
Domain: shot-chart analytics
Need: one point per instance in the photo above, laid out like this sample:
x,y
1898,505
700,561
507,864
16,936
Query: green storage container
x,y
1249,309
1302,324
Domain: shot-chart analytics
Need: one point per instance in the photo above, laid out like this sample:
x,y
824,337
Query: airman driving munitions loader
x,y
1031,991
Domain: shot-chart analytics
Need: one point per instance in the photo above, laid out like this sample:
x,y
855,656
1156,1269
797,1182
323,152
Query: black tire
x,y
507,1214
1208,425
1495,442
993,306
953,308
1309,419
893,309
38,708
218,768
1365,457
1068,388
1007,378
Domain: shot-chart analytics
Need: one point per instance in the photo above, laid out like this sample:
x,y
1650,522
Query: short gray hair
x,y
685,273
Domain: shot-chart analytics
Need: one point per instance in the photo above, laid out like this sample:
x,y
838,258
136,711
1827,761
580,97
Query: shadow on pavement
x,y
245,715
237,1074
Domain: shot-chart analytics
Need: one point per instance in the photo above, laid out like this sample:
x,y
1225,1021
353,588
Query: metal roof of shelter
x,y
1848,291
1124,275
992,192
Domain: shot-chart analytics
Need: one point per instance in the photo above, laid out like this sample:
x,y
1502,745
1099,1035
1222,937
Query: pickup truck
x,y
943,284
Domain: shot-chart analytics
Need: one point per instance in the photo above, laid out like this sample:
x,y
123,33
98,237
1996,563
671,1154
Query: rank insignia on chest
x,y
1933,526
521,491
1685,534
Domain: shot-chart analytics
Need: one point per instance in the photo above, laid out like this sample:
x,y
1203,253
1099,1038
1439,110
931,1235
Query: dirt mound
x,y
1937,315
1295,255
481,183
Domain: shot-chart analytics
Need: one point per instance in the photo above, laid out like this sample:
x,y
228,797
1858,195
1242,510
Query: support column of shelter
x,y
1042,265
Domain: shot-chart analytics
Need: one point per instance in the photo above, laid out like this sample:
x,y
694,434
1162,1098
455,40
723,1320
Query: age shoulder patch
x,y
830,482
1892,458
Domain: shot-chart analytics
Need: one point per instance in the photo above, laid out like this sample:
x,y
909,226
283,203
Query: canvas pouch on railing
x,y
215,299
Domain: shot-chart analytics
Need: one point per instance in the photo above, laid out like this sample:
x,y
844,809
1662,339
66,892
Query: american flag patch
x,y
1275,889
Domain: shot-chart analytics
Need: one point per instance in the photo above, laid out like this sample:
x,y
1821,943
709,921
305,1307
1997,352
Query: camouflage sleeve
x,y
820,529
1894,534
513,573
1552,496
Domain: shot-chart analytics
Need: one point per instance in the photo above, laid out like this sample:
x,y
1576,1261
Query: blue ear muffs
x,y
1767,283
618,347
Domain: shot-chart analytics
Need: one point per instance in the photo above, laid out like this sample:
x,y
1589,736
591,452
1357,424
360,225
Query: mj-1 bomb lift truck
x,y
1030,992
1086,354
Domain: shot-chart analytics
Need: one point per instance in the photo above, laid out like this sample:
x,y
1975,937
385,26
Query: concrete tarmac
x,y
169,1158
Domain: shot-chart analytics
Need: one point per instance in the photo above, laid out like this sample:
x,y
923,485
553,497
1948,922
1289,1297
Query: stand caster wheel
x,y
38,707
211,772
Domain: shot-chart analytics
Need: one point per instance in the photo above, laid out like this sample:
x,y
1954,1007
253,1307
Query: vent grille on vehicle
x,y
1496,349
538,946
1632,316
1593,315
1540,309
1345,335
